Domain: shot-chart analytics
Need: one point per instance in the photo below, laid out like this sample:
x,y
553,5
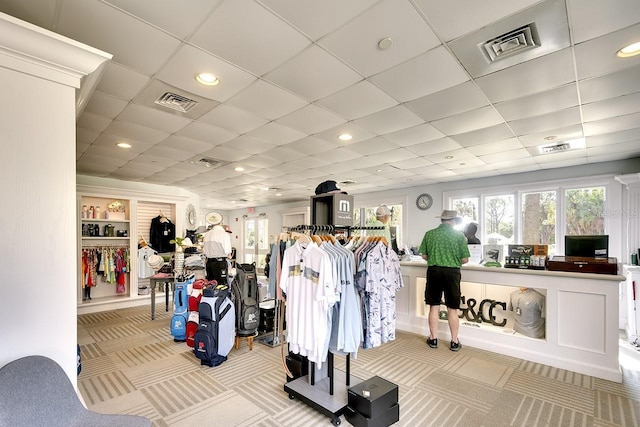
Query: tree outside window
x,y
539,219
584,210
499,219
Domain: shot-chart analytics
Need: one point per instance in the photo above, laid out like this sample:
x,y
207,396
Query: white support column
x,y
631,214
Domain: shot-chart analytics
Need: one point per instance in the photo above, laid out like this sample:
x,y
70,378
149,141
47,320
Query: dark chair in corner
x,y
35,391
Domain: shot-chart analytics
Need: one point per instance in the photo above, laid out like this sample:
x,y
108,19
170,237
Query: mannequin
x,y
217,248
529,308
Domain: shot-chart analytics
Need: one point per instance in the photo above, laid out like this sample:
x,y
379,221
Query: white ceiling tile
x,y
284,154
316,19
559,156
482,136
552,135
276,134
372,146
188,144
94,167
205,132
395,155
557,119
412,163
85,136
537,75
502,156
614,124
121,82
312,145
132,36
604,48
436,146
495,147
594,18
263,172
246,34
313,74
540,103
469,15
428,73
514,165
311,119
414,135
107,161
180,71
463,165
226,154
150,117
611,85
178,18
358,100
390,120
481,118
233,119
248,145
112,152
267,100
93,122
452,156
357,134
455,100
613,107
357,42
110,142
156,160
614,137
105,105
337,155
136,132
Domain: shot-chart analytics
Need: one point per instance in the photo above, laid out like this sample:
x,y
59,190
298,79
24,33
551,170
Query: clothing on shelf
x,y
161,232
108,263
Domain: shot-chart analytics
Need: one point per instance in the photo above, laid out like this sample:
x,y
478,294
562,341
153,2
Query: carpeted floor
x,y
131,365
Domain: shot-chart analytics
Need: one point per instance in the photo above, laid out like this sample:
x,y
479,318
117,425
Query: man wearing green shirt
x,y
445,249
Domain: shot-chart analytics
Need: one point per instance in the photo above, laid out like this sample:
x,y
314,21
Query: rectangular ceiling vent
x,y
512,43
207,162
563,146
176,102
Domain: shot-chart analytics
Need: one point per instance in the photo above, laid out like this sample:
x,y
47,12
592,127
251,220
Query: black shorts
x,y
443,280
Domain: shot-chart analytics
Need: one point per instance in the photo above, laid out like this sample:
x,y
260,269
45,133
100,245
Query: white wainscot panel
x,y
589,333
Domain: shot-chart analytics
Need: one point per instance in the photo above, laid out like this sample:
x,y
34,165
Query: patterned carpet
x,y
131,365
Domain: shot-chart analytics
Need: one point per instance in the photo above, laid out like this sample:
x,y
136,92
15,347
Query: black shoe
x,y
455,346
433,343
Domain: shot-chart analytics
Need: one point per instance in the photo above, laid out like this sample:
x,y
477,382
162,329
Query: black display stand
x,y
332,209
325,389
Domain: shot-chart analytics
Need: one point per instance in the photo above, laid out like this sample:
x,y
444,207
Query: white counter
x,y
581,316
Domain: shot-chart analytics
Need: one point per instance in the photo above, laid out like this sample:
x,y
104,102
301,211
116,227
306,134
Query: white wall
x,y
37,183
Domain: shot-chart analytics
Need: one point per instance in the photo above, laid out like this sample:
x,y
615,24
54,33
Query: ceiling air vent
x,y
176,102
206,162
563,146
512,43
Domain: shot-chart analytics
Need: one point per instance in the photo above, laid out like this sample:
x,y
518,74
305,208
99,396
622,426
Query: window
x,y
499,219
584,210
532,216
256,240
539,219
370,218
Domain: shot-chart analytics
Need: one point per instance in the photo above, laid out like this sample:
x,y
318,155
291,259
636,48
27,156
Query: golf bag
x,y
216,330
179,318
245,292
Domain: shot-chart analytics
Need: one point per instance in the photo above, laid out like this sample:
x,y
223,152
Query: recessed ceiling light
x,y
238,169
344,137
278,194
549,138
207,79
378,170
123,145
448,157
631,50
385,43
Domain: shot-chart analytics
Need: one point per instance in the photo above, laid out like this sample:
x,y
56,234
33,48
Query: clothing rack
x,y
318,389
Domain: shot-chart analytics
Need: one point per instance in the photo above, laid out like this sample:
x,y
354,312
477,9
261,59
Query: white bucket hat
x,y
155,262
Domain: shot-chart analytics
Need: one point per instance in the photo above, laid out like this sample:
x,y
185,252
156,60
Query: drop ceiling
x,y
294,75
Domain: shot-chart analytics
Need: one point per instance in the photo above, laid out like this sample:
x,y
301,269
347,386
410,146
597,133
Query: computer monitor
x,y
587,246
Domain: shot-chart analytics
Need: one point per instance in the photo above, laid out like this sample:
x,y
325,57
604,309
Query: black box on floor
x,y
373,397
298,366
387,418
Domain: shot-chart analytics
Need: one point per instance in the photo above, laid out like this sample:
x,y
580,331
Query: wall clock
x,y
424,201
191,216
213,218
